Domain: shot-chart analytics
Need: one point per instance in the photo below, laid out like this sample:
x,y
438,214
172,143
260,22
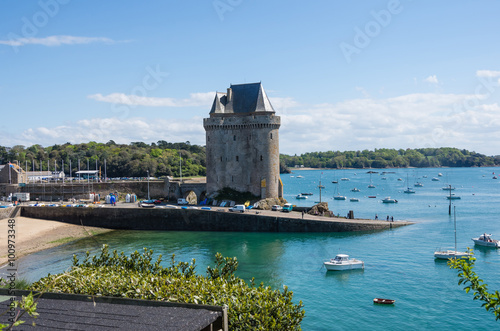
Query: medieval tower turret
x,y
242,142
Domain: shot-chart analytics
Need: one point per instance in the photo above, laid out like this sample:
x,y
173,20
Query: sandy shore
x,y
33,235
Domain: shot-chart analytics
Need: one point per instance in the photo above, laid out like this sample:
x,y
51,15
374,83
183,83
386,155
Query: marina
x,y
399,263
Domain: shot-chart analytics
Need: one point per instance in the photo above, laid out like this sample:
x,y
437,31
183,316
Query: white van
x,y
182,201
240,208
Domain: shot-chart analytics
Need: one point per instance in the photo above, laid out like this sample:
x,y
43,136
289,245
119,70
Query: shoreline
x,y
34,235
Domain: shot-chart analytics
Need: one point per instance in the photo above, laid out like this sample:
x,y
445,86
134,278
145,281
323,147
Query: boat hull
x,y
384,301
494,243
344,266
449,254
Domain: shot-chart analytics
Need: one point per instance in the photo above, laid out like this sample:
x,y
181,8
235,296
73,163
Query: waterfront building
x,y
12,173
242,142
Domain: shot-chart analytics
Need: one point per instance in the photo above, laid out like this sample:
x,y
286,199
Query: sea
x,y
399,263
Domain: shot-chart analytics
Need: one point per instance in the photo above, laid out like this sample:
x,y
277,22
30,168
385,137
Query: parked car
x,y
287,207
182,201
276,208
240,208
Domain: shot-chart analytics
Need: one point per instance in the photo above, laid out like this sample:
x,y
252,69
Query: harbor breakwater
x,y
165,219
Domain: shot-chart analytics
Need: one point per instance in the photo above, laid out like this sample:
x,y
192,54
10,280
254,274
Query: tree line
x,y
164,158
122,160
392,158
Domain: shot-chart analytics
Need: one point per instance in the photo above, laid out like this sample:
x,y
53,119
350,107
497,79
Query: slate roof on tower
x,y
242,98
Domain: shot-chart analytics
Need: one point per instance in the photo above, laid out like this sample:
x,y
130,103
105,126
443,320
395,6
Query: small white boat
x,y
400,179
371,186
299,176
354,199
389,200
453,197
448,188
147,205
435,179
424,176
343,262
485,240
355,190
409,190
440,174
339,197
418,184
345,179
300,196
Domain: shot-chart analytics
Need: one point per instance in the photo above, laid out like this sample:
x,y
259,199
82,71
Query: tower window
x,y
237,158
271,136
232,178
234,138
221,158
208,138
261,158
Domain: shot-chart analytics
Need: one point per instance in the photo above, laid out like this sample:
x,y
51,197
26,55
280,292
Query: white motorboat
x,y
354,199
409,190
435,179
300,196
453,197
452,254
339,197
343,262
355,190
448,188
485,240
389,200
345,179
418,184
300,176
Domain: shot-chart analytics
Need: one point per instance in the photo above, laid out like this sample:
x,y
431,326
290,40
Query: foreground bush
x,y
251,307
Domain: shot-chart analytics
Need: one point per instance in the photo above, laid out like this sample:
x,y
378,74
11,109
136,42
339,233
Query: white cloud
x,y
56,41
120,130
487,73
196,99
406,121
431,79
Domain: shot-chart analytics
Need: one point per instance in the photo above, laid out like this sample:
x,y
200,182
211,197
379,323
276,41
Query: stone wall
x,y
57,191
194,220
243,153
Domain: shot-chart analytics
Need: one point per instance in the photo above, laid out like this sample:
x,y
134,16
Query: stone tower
x,y
242,142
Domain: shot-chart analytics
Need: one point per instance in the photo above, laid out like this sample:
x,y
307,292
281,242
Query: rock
x,y
319,209
266,204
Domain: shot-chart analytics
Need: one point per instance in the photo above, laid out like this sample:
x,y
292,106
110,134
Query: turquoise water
x,y
399,263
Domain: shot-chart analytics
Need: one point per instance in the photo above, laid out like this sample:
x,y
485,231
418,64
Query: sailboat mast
x,y
455,225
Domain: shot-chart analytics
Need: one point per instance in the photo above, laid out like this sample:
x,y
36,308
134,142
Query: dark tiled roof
x,y
79,312
246,98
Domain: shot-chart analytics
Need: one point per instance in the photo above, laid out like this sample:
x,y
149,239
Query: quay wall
x,y
197,220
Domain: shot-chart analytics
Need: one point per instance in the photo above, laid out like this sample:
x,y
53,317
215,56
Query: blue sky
x,y
343,75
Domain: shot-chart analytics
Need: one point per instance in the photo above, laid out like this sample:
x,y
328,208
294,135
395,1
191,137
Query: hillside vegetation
x,y
162,158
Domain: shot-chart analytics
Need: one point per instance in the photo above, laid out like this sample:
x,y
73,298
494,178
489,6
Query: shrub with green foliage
x,y
468,277
251,306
